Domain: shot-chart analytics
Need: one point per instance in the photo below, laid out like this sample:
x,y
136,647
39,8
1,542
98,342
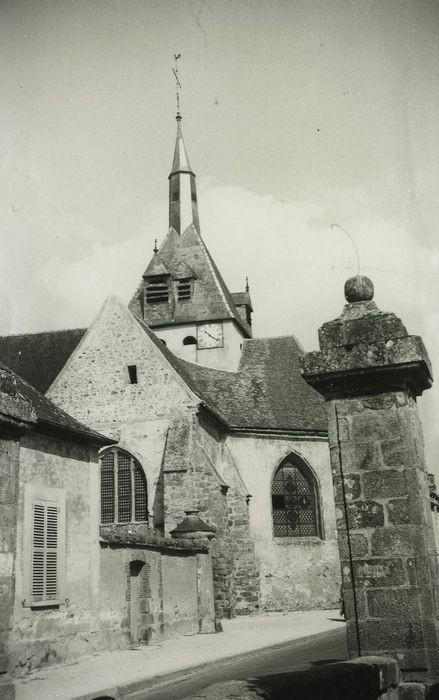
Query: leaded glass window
x,y
295,500
124,496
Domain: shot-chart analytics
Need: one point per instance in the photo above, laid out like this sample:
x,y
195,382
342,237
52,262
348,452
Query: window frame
x,y
134,466
47,497
292,459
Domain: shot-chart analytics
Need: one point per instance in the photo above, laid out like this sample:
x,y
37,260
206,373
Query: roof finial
x,y
247,288
177,84
155,249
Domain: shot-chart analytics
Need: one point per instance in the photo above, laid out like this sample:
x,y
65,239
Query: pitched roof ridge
x,y
156,262
290,336
60,330
71,425
215,272
223,289
178,365
272,337
197,365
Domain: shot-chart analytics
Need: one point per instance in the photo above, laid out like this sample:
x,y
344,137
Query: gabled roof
x,y
156,267
210,300
49,416
266,393
39,357
242,299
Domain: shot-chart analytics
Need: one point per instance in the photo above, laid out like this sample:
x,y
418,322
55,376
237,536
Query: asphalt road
x,y
292,656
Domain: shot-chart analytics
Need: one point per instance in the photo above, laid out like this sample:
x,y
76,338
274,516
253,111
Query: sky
x,y
297,114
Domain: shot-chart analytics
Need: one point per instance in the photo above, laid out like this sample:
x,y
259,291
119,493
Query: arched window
x,y
295,500
189,340
124,496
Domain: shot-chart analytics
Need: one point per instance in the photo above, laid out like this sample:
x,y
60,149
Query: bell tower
x,y
182,296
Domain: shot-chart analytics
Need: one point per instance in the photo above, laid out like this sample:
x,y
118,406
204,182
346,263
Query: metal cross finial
x,y
177,56
156,250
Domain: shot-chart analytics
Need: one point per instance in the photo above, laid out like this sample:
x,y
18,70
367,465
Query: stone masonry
x,y
16,417
370,372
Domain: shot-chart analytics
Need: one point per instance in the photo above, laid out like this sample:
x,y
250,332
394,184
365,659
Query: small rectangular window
x,y
132,373
184,289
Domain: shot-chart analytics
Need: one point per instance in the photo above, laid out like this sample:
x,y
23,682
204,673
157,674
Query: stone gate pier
x,y
370,372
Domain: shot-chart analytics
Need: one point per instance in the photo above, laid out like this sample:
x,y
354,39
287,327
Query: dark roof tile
x,y
266,393
48,414
39,357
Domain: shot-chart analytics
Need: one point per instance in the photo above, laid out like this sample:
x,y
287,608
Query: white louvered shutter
x,y
45,554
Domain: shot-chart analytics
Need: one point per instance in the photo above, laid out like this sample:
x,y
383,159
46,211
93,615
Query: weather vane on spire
x,y
177,56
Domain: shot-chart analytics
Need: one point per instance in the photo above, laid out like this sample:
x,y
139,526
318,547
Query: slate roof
x,y
242,299
180,163
210,300
48,414
39,357
266,393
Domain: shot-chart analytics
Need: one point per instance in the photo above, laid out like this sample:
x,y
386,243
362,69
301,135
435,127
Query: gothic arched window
x,y
124,496
295,501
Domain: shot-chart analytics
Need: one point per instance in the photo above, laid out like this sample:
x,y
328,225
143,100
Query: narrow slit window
x,y
132,373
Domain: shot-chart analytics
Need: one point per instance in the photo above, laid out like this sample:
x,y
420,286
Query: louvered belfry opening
x,y
184,289
157,291
45,575
124,496
295,500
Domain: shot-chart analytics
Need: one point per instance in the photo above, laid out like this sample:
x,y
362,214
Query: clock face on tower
x,y
209,335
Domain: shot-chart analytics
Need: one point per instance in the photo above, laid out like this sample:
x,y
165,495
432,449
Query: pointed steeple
x,y
183,206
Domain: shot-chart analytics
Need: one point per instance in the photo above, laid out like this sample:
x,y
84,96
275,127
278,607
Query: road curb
x,y
134,687
130,689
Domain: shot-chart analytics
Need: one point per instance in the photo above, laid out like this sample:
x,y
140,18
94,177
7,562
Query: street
x,y
291,656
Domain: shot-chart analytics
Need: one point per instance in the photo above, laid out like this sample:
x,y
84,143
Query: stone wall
x,y
199,472
182,453
153,588
391,537
9,492
55,634
285,564
94,387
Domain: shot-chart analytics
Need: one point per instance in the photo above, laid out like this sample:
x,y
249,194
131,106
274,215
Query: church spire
x,y
183,206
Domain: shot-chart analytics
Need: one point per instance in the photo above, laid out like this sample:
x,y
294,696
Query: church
x,y
203,421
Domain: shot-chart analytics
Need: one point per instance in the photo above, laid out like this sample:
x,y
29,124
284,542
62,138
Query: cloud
x,y
296,264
